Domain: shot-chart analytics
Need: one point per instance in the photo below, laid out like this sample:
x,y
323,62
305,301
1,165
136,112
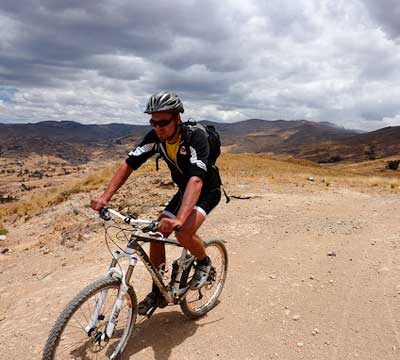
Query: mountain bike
x,y
99,321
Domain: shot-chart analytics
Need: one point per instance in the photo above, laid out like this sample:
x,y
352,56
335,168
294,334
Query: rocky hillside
x,y
278,136
68,131
373,145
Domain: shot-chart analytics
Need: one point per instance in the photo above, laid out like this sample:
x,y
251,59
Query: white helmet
x,y
164,101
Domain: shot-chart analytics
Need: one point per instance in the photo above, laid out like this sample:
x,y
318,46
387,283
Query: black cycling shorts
x,y
207,201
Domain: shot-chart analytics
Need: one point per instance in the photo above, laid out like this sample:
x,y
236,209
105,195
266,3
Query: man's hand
x,y
97,204
167,225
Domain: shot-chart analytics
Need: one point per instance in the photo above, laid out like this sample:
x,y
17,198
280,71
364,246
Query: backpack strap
x,y
158,158
229,197
226,195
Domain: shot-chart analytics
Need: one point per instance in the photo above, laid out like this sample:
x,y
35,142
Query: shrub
x,y
393,164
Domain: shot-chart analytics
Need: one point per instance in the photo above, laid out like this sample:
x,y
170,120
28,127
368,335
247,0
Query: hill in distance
x,y
316,141
372,145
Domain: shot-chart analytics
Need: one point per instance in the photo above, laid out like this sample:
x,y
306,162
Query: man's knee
x,y
184,236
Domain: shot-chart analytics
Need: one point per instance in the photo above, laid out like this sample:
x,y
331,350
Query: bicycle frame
x,y
172,292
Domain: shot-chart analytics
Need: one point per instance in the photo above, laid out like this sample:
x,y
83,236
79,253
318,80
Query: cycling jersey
x,y
191,159
172,149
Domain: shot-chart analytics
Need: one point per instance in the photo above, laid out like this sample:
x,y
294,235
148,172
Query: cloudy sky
x,y
229,60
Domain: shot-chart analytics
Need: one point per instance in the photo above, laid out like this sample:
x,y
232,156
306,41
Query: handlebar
x,y
150,225
105,213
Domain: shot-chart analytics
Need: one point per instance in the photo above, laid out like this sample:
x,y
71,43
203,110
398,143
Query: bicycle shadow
x,y
162,332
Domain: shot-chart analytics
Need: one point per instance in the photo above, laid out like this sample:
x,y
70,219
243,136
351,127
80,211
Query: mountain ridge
x,y
316,141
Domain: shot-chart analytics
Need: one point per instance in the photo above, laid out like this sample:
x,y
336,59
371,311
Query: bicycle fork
x,y
125,277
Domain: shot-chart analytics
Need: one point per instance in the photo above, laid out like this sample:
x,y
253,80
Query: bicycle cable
x,y
108,237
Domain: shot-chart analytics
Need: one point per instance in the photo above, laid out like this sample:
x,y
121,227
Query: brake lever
x,y
151,227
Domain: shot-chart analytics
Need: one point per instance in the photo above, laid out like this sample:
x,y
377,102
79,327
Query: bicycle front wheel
x,y
70,339
198,302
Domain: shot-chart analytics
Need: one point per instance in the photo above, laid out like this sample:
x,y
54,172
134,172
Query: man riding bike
x,y
198,181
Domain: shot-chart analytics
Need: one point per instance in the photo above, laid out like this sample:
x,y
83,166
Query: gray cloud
x,y
387,15
229,60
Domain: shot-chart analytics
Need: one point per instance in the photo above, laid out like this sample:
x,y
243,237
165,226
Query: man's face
x,y
164,124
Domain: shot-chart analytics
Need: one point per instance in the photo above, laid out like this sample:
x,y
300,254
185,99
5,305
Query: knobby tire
x,y
192,305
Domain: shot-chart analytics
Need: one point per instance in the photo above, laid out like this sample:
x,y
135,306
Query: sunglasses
x,y
161,123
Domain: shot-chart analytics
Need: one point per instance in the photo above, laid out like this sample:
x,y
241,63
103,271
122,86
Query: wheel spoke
x,y
78,322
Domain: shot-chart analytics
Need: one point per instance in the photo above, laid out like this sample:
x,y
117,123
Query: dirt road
x,y
284,298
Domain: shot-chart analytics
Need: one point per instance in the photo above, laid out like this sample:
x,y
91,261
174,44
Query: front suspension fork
x,y
125,277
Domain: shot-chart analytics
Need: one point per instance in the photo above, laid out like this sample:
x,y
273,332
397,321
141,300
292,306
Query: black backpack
x,y
214,139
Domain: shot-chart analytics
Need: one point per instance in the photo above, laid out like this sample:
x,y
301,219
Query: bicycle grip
x,y
104,213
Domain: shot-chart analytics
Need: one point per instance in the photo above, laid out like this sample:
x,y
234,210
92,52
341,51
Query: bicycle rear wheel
x,y
198,302
68,338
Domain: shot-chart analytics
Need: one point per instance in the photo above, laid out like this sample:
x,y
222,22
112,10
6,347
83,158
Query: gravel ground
x,y
312,275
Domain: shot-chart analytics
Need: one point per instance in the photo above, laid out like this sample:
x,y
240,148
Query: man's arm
x,y
135,159
115,183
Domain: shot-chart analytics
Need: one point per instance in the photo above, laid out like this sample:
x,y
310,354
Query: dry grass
x,y
45,198
255,165
283,170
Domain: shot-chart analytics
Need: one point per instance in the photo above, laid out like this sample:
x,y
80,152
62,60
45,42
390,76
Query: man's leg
x,y
157,257
157,251
191,241
188,237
